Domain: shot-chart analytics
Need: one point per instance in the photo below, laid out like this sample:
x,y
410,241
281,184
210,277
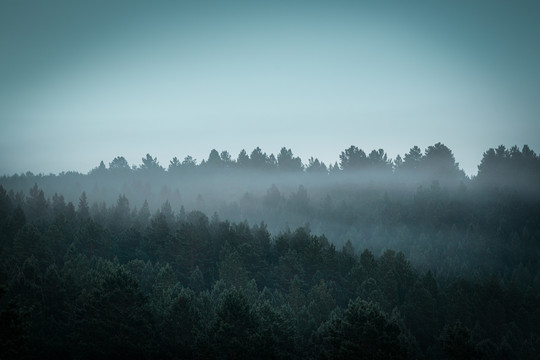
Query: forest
x,y
267,257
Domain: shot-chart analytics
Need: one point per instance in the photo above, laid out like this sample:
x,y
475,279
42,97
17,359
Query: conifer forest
x,y
261,256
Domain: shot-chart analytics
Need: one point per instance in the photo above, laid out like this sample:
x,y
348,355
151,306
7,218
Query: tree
x,y
13,328
100,170
231,269
259,160
272,162
92,240
299,201
29,242
119,164
159,234
144,215
243,159
378,160
316,166
83,211
167,211
189,162
287,162
58,205
121,215
214,160
320,302
235,332
37,207
174,165
439,162
150,164
226,159
364,332
273,198
413,159
457,343
276,331
368,262
113,320
179,323
398,163
334,169
512,167
420,311
6,205
352,159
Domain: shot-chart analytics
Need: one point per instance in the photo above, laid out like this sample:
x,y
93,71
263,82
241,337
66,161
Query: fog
x,y
372,201
418,241
276,252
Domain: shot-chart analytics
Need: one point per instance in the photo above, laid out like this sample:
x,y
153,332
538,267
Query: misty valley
x,y
268,257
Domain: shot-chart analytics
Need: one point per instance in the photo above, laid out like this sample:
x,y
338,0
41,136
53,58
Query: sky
x,y
85,81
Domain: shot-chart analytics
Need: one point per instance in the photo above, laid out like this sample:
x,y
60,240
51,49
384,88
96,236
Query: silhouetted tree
x,y
189,162
174,165
316,166
226,159
353,158
37,207
243,159
214,160
287,162
150,164
258,159
119,164
439,162
100,170
378,160
413,159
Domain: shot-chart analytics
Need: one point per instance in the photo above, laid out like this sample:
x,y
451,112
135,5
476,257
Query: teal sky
x,y
84,81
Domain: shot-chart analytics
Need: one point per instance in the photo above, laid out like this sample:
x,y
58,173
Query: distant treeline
x,y
437,160
223,179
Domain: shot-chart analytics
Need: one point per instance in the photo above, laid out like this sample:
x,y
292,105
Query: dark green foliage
x,y
443,267
363,332
37,207
112,319
234,331
214,289
457,343
13,328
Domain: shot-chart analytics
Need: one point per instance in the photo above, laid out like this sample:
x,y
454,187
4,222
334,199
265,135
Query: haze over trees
x,y
264,256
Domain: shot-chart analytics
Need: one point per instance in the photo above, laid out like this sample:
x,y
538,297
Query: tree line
x,y
141,263
437,160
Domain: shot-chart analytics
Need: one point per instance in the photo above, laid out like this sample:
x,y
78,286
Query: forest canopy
x,y
265,256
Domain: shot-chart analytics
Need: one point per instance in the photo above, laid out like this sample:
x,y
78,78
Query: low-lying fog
x,y
418,204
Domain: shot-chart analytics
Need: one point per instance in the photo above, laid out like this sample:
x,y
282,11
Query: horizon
x,y
165,163
86,82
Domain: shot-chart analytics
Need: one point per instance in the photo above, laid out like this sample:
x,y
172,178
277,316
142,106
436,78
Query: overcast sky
x,y
84,81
